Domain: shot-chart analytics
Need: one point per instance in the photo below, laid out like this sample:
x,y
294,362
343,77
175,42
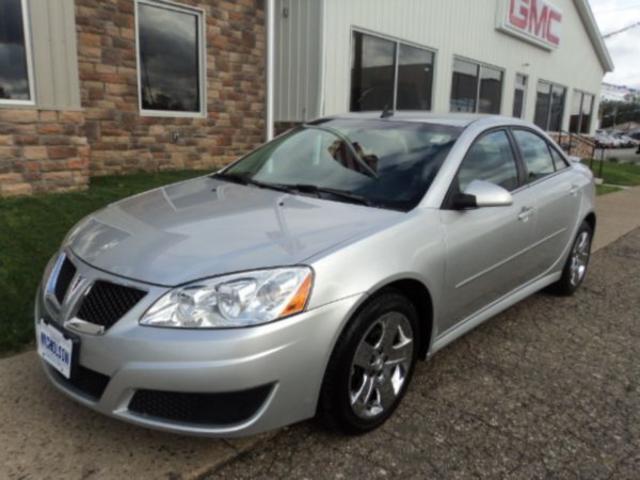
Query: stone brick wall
x,y
58,151
42,151
121,139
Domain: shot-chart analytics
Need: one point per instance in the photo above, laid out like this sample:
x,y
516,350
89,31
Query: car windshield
x,y
382,163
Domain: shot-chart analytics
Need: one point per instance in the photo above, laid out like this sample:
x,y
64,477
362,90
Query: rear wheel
x,y
575,269
371,366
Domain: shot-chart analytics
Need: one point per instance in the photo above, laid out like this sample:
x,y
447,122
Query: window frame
x,y
396,59
524,94
26,28
479,66
550,102
582,94
201,15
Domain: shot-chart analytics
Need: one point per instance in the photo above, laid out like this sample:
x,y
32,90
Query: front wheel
x,y
575,268
371,366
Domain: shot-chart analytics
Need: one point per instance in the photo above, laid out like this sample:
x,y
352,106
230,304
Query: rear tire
x,y
371,365
575,268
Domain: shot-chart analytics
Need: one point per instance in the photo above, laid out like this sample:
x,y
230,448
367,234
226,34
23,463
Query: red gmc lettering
x,y
537,18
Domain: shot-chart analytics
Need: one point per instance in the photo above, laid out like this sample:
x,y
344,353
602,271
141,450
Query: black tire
x,y
335,408
567,285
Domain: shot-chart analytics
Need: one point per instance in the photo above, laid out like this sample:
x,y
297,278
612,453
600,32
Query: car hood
x,y
207,227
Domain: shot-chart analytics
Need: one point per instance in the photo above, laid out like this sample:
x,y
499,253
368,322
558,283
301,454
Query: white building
x,y
534,59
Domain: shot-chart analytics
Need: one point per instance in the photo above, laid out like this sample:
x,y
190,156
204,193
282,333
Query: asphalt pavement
x,y
548,389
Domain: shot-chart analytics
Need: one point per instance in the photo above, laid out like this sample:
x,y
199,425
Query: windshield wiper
x,y
342,194
245,180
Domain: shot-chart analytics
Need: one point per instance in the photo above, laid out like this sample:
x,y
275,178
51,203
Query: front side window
x,y
171,60
475,88
519,95
535,153
490,159
388,74
15,79
549,106
389,164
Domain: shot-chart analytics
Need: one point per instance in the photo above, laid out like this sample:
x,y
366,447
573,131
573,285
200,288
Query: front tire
x,y
371,366
575,268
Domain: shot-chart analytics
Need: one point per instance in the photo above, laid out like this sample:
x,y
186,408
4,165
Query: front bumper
x,y
288,356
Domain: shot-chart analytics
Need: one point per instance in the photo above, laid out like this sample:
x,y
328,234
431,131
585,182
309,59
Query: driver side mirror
x,y
479,194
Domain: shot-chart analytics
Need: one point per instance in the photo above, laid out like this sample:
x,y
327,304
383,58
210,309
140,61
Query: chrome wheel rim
x,y
580,258
381,365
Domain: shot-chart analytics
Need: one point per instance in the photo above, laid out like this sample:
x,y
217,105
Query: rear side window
x,y
559,162
490,159
536,155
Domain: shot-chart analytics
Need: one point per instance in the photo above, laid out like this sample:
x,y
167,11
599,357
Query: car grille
x,y
85,381
200,408
65,275
107,302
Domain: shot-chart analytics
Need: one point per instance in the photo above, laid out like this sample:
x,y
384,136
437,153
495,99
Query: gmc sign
x,y
536,21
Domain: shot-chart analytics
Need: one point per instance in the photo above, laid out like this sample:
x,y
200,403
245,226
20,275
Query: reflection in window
x,y
14,72
475,88
535,153
374,81
169,52
464,89
549,106
372,73
490,159
415,78
519,95
581,110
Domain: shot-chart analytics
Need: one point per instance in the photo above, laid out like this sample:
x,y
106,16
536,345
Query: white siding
x,y
55,59
298,59
457,27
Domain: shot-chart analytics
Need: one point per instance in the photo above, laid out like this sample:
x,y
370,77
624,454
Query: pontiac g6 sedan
x,y
308,277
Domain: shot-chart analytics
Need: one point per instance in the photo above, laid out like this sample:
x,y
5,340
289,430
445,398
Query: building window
x,y
171,59
389,74
519,95
581,110
549,106
16,80
475,88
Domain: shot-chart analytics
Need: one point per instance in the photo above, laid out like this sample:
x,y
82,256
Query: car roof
x,y
460,120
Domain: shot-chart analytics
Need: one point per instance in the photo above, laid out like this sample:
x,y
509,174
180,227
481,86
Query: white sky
x,y
625,47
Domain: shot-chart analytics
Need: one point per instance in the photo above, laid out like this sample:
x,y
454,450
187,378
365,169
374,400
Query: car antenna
x,y
387,112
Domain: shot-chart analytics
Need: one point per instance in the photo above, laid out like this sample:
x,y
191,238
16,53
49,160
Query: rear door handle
x,y
573,191
525,213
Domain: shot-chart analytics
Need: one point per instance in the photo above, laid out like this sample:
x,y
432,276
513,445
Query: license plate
x,y
55,348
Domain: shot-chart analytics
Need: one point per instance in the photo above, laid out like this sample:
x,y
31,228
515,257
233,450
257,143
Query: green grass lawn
x,y
625,174
31,229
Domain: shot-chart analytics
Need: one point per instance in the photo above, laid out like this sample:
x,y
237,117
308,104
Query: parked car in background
x,y
308,277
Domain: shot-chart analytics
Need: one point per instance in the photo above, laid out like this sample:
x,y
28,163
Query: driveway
x,y
548,389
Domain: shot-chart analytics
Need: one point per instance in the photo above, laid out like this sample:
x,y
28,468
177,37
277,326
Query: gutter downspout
x,y
270,9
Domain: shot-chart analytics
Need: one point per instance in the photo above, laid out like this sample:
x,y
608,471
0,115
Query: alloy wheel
x,y
381,365
580,258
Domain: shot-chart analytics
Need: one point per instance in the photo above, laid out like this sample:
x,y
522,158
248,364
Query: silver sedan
x,y
308,277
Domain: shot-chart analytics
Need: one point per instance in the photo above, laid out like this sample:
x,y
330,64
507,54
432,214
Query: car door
x,y
556,194
487,248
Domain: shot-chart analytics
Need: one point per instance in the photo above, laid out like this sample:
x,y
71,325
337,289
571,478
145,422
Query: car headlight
x,y
237,300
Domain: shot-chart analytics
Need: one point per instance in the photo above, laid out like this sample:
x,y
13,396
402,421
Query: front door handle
x,y
525,213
